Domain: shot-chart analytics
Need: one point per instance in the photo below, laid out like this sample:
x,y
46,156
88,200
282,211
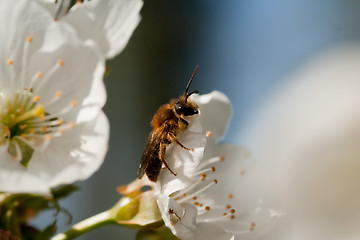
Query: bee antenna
x,y
192,77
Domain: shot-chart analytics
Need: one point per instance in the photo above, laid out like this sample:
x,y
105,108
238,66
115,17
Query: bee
x,y
167,123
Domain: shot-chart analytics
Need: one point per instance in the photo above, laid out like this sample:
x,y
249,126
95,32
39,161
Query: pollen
x,y
213,168
222,159
36,98
194,198
215,181
58,94
232,217
208,134
48,137
230,196
252,226
232,211
207,208
78,2
228,206
9,62
29,39
61,130
60,121
71,125
22,126
73,103
42,116
44,128
39,74
60,62
203,176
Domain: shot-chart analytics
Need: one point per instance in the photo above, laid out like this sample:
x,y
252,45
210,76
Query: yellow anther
x,y
58,94
60,63
9,62
29,39
39,74
71,125
36,98
35,112
252,227
48,136
73,103
60,121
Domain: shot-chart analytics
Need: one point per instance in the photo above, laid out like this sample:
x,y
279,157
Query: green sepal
x,y
63,191
162,233
26,151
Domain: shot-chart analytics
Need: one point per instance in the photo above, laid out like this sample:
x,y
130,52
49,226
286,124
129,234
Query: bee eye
x,y
182,109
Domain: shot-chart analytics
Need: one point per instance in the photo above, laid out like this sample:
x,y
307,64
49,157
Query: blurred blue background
x,y
244,48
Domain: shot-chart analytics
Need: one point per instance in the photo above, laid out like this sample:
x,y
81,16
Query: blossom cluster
x,y
53,130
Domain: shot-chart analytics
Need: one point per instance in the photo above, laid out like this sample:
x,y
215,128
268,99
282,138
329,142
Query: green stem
x,y
87,225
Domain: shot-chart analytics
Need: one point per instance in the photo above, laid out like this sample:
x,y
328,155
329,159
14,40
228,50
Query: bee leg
x,y
162,156
173,138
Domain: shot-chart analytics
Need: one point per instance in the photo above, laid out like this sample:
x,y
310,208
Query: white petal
x,y
183,162
82,64
77,153
109,22
75,156
215,110
311,148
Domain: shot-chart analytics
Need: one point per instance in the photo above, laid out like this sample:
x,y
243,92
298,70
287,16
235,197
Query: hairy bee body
x,y
167,123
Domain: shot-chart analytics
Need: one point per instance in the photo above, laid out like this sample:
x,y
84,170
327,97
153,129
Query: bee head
x,y
186,108
182,105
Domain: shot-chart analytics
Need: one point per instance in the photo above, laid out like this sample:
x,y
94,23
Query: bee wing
x,y
149,152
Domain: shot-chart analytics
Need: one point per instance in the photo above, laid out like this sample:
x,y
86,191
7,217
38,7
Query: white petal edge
x,y
109,22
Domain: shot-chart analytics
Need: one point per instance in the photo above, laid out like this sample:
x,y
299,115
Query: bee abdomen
x,y
153,169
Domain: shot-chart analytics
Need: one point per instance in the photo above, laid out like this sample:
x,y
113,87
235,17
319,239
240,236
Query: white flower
x,y
110,23
203,201
310,148
52,128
